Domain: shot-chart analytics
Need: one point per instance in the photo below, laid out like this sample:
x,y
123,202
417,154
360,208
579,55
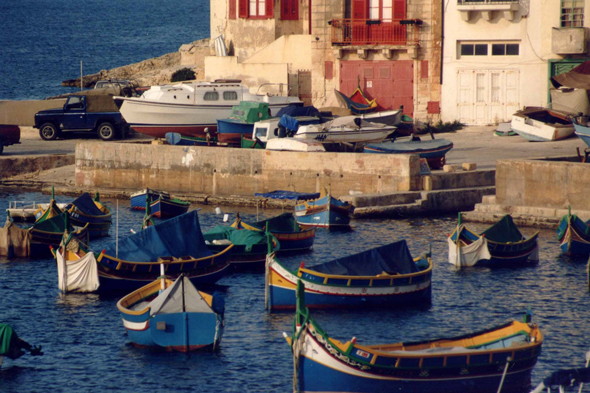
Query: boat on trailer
x,y
498,359
190,108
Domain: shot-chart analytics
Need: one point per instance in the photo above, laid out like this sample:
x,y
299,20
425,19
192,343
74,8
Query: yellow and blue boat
x,y
325,212
481,362
574,236
379,277
173,315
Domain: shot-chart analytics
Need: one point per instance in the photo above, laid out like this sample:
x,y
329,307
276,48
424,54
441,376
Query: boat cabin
x,y
250,112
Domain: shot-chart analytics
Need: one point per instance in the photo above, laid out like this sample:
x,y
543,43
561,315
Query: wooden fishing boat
x,y
85,210
574,236
380,277
285,229
358,103
433,150
134,261
500,358
138,199
325,212
541,124
501,245
166,208
172,315
249,247
241,121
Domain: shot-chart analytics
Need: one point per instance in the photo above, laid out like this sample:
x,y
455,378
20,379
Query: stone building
x,y
498,55
391,49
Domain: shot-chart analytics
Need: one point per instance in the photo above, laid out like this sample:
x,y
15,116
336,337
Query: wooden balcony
x,y
374,32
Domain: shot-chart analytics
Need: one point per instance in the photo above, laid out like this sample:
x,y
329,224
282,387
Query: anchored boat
x,y
326,212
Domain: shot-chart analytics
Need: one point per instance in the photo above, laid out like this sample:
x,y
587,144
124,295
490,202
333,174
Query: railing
x,y
476,2
374,32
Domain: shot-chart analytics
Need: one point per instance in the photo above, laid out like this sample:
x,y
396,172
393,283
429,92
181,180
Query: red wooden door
x,y
391,83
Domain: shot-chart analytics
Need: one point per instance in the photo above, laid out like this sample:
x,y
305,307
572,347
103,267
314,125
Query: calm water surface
x,y
86,348
44,41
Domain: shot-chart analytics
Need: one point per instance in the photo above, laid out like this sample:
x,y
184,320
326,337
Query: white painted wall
x,y
531,28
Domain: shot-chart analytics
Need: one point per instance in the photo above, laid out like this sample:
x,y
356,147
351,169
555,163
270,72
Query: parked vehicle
x,y
9,135
86,111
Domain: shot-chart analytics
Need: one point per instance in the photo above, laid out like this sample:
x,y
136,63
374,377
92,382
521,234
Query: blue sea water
x,y
42,42
87,350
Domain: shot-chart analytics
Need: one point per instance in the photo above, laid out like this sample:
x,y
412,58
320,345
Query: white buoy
x,y
225,217
217,210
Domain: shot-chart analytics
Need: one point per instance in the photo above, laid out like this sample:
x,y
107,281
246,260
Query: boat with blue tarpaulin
x,y
380,277
86,210
500,358
134,261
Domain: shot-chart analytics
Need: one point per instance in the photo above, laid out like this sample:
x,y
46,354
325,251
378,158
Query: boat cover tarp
x,y
570,100
283,223
171,300
411,147
504,231
80,275
6,335
468,255
85,204
54,224
14,241
290,123
238,237
578,77
295,110
177,237
281,194
394,258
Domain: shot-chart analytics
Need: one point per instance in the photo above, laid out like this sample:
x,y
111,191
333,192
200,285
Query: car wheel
x,y
48,132
106,131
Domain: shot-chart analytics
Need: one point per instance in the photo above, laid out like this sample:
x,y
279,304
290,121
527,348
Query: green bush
x,y
441,127
184,74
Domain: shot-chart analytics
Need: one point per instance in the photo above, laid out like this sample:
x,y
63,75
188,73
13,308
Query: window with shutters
x,y
572,13
255,9
289,9
232,9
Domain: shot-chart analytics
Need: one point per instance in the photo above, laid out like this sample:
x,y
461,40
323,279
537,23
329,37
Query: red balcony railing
x,y
374,32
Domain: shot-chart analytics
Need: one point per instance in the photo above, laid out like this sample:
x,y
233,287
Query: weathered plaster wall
x,y
543,184
226,171
22,113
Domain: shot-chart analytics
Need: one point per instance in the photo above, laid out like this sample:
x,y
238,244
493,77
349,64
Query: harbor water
x,y
86,347
43,42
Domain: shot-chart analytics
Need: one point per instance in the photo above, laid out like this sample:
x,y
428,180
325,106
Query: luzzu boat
x,y
135,261
382,276
85,210
172,315
326,212
161,204
501,245
497,359
138,199
285,229
574,236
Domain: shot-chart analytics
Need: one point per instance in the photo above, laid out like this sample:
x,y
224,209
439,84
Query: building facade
x,y
498,55
390,49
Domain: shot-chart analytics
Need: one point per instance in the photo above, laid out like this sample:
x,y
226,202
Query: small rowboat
x,y
574,236
383,276
501,245
326,212
433,150
134,261
481,362
285,229
542,124
172,315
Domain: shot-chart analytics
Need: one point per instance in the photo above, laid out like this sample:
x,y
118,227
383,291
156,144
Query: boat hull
x,y
164,208
433,151
539,131
231,132
97,227
583,132
335,135
572,236
326,212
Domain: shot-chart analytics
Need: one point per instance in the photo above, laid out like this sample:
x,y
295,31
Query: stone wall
x,y
544,184
227,171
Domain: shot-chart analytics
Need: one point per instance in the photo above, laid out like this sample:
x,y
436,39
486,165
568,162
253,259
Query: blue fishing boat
x,y
134,261
85,210
433,150
285,229
241,122
574,236
500,358
161,204
249,247
380,277
138,199
501,245
325,212
173,315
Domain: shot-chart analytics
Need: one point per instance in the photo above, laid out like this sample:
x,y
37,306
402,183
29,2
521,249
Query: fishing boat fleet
x,y
165,268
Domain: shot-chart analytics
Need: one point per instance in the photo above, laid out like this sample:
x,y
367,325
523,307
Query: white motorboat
x,y
541,124
390,118
191,109
25,211
293,144
346,129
